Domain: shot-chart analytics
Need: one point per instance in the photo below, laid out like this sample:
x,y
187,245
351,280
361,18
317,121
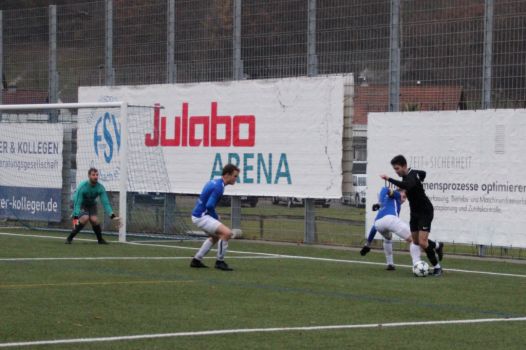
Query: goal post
x,y
47,149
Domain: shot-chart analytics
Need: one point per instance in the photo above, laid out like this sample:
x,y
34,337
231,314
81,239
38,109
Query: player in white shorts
x,y
205,217
387,222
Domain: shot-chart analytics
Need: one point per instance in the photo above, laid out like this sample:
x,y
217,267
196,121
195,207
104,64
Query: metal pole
x,y
394,57
52,63
237,63
235,212
488,52
310,222
170,43
312,70
170,198
237,67
108,45
312,58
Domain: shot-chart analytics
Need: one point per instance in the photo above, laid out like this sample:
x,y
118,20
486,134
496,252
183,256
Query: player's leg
x,y
218,233
77,226
402,230
429,246
224,234
388,251
197,261
385,226
97,229
415,248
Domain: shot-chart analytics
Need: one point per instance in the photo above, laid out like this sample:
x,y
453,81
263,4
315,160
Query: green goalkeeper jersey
x,y
86,196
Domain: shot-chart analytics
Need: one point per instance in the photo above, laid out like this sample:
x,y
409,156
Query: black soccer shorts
x,y
89,210
421,221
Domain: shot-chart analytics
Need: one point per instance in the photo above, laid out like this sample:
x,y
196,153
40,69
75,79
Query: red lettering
x,y
186,126
177,139
250,120
218,120
194,121
153,140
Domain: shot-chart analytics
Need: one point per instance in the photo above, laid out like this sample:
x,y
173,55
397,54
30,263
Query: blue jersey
x,y
390,203
210,196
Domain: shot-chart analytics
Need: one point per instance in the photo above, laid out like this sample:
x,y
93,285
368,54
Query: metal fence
x,y
408,54
478,46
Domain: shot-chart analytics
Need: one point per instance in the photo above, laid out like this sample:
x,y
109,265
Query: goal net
x,y
46,150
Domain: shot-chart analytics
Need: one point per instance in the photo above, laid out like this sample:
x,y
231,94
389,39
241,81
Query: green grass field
x,y
52,291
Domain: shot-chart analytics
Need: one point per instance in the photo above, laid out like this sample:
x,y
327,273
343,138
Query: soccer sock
x,y
221,249
205,248
388,250
76,230
98,232
430,252
432,244
414,250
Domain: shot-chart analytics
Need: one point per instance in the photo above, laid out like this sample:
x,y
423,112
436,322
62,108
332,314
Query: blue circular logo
x,y
107,136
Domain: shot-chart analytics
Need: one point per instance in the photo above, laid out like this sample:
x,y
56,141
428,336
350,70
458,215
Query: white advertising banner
x,y
475,164
31,171
285,135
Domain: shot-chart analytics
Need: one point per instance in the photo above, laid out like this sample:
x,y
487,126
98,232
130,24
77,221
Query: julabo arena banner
x,y
285,135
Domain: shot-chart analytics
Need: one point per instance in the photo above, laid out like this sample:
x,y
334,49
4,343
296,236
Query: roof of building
x,y
375,98
19,96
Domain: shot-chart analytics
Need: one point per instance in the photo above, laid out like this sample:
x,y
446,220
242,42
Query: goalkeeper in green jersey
x,y
85,206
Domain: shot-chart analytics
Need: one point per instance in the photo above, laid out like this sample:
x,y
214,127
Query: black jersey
x,y
412,183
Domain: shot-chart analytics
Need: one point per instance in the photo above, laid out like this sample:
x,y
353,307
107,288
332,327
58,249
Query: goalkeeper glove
x,y
365,250
113,216
75,221
376,207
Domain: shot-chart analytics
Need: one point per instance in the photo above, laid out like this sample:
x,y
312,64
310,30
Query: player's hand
x,y
116,219
365,250
376,207
384,177
75,221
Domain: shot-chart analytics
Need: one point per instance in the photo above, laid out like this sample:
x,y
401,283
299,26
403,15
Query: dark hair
x,y
229,169
399,160
92,170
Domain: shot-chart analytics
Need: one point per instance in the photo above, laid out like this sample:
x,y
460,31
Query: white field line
x,y
258,330
299,257
129,258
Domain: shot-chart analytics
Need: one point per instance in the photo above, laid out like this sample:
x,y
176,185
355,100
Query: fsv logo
x,y
185,126
107,136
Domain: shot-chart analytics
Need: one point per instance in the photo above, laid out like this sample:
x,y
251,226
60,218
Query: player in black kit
x,y
421,210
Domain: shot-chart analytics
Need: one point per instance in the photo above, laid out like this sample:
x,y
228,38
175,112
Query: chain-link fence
x,y
405,55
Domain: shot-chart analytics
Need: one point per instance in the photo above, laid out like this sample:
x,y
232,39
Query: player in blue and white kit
x,y
205,217
387,222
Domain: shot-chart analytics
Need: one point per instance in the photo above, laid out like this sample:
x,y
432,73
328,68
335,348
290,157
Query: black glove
x,y
376,207
112,216
365,250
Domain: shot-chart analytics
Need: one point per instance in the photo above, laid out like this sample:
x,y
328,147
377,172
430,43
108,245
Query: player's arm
x,y
421,174
106,202
408,183
77,202
212,203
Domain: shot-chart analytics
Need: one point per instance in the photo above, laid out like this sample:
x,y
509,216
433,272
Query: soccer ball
x,y
421,269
